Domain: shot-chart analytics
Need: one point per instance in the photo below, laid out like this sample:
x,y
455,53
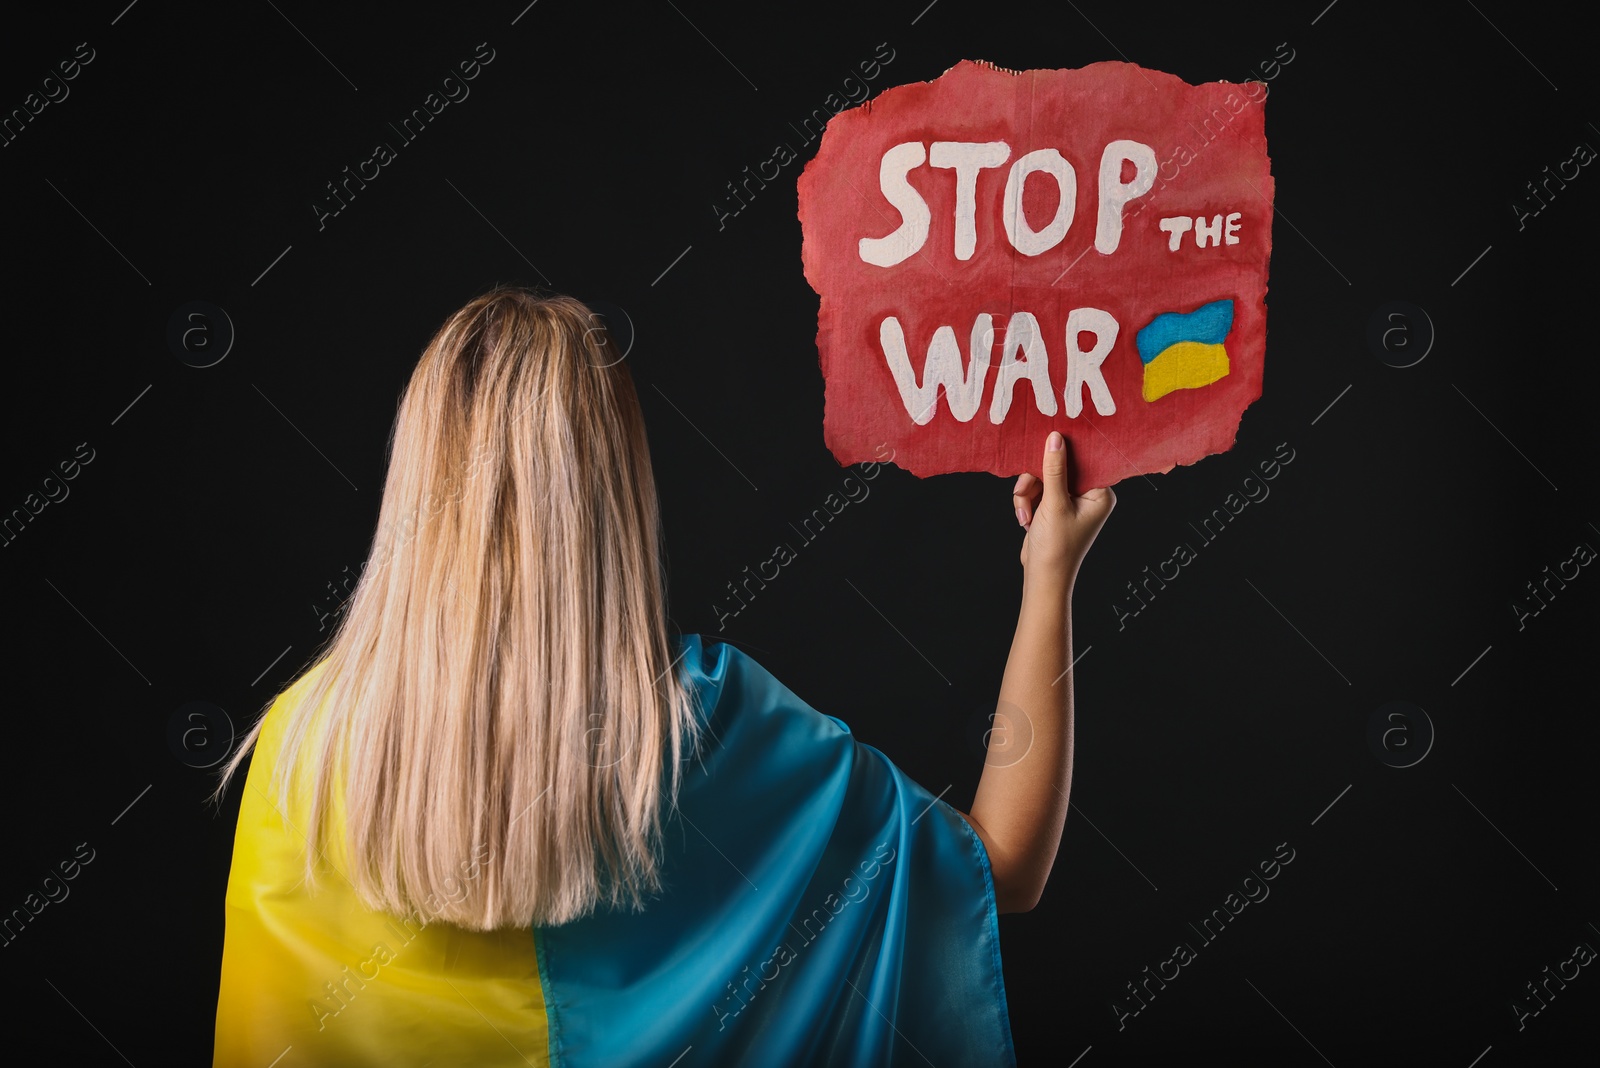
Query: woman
x,y
505,818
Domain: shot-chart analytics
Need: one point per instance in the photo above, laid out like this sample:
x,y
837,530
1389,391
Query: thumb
x,y
1055,471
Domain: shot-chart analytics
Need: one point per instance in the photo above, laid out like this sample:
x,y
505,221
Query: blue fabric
x,y
820,908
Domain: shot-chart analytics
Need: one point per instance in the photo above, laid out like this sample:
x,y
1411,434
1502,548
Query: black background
x,y
1223,720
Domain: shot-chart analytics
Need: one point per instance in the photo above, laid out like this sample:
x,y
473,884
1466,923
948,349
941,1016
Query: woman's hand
x,y
1060,527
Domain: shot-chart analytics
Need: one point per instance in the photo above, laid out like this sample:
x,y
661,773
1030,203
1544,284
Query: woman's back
x,y
818,907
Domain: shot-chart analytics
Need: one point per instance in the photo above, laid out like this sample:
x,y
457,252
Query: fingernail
x,y
1022,520
1054,442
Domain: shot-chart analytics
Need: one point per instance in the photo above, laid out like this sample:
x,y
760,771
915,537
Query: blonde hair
x,y
501,678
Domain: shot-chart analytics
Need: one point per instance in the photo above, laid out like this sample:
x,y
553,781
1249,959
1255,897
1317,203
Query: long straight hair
x,y
500,684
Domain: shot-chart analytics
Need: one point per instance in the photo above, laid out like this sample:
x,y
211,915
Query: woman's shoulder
x,y
707,662
725,678
275,718
704,664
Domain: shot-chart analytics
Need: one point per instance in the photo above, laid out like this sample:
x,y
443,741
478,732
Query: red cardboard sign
x,y
1001,254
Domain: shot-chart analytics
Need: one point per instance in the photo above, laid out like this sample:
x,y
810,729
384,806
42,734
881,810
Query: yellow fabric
x,y
317,979
1184,365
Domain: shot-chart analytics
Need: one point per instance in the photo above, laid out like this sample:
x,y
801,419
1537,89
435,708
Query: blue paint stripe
x,y
1208,324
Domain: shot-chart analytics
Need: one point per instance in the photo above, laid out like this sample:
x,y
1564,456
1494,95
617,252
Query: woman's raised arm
x,y
1021,803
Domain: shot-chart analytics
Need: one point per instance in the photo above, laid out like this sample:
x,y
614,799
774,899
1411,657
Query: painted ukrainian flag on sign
x,y
1183,350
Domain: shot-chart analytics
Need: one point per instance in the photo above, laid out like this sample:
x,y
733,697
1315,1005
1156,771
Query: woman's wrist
x,y
1050,585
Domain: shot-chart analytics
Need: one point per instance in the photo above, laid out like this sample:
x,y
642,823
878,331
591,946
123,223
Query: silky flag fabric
x,y
819,907
1184,350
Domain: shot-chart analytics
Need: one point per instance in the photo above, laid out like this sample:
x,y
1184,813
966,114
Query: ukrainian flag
x,y
818,907
1183,350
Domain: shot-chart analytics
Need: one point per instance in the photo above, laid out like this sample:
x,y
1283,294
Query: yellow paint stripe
x,y
1185,365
